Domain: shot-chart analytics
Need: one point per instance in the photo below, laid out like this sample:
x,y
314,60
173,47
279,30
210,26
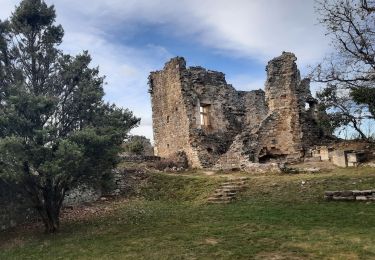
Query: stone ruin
x,y
196,111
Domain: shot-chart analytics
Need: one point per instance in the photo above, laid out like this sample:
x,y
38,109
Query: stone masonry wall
x,y
255,106
177,94
282,136
244,126
170,119
350,195
209,88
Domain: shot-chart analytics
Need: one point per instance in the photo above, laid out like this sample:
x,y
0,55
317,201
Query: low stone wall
x,y
126,182
139,158
82,194
350,195
16,209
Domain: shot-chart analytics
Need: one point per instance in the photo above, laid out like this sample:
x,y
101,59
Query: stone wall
x,y
170,119
139,158
290,127
350,195
208,88
15,208
338,156
82,194
244,127
255,107
177,94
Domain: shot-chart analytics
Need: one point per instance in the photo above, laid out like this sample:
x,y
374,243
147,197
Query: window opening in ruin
x,y
167,119
205,115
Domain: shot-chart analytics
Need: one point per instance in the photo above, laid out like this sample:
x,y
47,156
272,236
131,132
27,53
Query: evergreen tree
x,y
55,128
138,145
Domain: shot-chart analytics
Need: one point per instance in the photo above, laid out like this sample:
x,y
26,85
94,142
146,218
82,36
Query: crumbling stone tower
x,y
197,112
290,126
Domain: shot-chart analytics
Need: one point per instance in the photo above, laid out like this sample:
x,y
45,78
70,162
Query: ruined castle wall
x,y
312,134
282,136
203,87
255,126
170,121
277,122
255,107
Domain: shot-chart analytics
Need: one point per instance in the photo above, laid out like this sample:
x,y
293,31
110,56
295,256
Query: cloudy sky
x,y
130,38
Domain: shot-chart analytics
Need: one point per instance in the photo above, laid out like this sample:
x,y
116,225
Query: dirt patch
x,y
100,208
13,238
211,241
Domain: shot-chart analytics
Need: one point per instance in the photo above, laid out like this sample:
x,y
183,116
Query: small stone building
x,y
196,111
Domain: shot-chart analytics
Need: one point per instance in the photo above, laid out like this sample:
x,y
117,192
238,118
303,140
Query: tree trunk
x,y
53,198
48,202
355,126
51,219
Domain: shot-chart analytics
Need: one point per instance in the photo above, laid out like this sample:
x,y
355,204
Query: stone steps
x,y
227,191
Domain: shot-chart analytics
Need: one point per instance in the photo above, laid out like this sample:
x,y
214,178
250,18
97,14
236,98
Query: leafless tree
x,y
351,66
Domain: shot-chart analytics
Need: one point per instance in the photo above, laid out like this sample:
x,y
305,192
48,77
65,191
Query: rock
x,y
346,193
312,159
343,198
329,193
361,198
372,164
312,170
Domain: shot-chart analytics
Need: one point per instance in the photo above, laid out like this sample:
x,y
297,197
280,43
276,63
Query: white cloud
x,y
257,29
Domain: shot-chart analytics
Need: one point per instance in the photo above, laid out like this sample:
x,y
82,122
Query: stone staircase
x,y
228,191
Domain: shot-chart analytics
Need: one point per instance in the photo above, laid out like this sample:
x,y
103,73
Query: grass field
x,y
276,217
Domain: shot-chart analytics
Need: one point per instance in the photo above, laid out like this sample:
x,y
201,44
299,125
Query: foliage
x,y
350,70
175,162
55,128
342,110
137,144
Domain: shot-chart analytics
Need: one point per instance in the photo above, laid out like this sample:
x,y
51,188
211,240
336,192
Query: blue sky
x,y
129,38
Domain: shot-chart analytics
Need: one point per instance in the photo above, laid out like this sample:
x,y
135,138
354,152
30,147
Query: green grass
x,y
275,218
